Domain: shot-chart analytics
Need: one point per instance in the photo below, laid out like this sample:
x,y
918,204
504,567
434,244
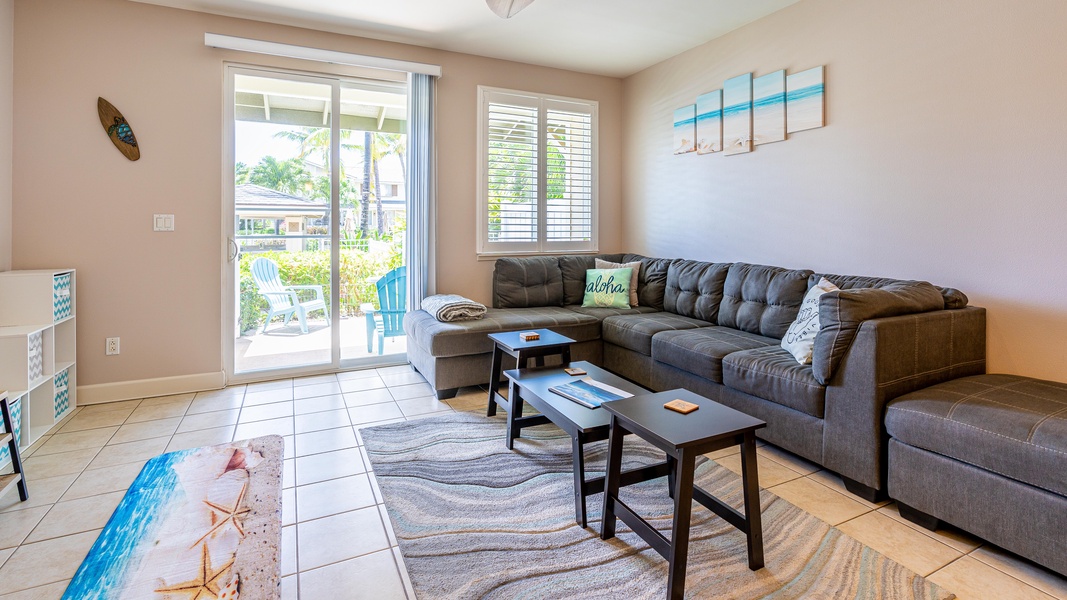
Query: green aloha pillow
x,y
607,288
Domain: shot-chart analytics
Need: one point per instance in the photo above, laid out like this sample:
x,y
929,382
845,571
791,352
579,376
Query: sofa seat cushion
x,y
1011,425
462,338
634,332
602,313
700,351
771,373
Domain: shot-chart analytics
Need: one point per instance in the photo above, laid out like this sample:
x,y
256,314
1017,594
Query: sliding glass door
x,y
315,222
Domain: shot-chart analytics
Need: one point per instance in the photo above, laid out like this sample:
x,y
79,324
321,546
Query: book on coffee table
x,y
589,392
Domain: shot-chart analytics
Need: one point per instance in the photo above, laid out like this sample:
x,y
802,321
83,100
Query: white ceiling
x,y
607,37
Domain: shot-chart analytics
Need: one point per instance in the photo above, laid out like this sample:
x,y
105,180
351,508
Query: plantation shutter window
x,y
537,173
512,172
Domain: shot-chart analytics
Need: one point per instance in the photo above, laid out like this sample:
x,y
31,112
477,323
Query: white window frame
x,y
543,102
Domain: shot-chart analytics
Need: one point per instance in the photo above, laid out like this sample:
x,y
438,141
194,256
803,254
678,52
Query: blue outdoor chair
x,y
283,300
387,321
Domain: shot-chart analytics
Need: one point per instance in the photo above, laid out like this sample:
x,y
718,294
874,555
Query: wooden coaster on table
x,y
681,406
574,371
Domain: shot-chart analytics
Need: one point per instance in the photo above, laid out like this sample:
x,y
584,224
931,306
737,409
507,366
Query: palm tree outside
x,y
315,141
288,176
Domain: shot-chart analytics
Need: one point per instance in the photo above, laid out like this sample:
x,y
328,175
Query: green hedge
x,y
313,268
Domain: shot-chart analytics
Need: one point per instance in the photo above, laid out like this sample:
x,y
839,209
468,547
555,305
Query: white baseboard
x,y
146,388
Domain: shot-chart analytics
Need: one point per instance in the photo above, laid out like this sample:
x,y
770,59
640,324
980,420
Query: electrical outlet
x,y
111,346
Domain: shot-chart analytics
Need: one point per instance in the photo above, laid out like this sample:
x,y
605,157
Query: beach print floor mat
x,y
203,523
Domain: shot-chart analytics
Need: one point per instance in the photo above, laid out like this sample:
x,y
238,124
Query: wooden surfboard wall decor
x,y
118,130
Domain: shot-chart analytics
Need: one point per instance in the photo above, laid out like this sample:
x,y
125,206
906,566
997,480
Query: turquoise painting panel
x,y
737,114
709,122
685,129
768,108
804,102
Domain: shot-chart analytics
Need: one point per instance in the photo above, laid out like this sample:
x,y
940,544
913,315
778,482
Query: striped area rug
x,y
474,520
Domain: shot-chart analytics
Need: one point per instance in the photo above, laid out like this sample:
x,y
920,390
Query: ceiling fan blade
x,y
505,9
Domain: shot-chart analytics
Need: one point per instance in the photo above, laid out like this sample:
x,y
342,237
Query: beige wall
x,y
81,204
942,158
7,53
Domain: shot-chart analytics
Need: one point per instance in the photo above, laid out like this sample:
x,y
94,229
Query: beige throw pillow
x,y
636,266
800,339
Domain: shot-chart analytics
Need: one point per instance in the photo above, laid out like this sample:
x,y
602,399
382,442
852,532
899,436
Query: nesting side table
x,y
683,437
509,342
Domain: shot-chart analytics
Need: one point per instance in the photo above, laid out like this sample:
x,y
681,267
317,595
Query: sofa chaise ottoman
x,y
987,454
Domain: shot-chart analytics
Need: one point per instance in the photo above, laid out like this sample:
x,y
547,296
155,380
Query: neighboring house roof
x,y
249,197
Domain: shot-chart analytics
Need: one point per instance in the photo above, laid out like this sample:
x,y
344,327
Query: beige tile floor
x,y
336,540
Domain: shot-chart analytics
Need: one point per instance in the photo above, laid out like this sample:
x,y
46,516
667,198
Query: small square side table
x,y
683,437
509,342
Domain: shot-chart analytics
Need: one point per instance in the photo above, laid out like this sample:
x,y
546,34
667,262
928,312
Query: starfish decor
x,y
229,514
205,585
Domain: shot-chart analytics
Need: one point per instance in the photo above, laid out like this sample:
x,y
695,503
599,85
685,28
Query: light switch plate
x,y
163,222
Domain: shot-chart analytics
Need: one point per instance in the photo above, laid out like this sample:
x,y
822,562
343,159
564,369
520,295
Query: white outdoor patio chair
x,y
283,299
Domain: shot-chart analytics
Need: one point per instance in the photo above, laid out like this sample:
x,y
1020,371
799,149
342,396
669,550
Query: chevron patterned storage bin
x,y
35,362
16,420
62,393
61,296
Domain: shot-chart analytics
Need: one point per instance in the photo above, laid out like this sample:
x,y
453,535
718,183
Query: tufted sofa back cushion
x,y
761,299
573,268
694,289
527,282
953,298
652,282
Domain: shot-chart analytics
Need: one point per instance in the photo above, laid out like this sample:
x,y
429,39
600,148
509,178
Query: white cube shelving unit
x,y
38,343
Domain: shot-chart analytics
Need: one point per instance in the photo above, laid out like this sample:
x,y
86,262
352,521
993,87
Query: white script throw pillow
x,y
636,266
800,339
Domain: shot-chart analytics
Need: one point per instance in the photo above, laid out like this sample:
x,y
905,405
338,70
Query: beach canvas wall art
x,y
709,122
768,108
737,114
804,100
749,111
685,129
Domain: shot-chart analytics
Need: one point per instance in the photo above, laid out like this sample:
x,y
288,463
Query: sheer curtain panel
x,y
422,157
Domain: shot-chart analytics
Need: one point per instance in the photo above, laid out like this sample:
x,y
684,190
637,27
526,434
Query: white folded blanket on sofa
x,y
453,307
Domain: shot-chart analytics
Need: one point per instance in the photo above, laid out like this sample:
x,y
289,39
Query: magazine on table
x,y
588,392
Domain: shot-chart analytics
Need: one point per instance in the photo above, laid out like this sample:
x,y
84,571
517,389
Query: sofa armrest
x,y
842,312
889,357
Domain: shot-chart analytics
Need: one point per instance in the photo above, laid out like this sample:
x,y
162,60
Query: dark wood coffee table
x,y
684,437
584,425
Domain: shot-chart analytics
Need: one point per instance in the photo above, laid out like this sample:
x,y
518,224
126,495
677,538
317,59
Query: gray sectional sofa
x,y
715,328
